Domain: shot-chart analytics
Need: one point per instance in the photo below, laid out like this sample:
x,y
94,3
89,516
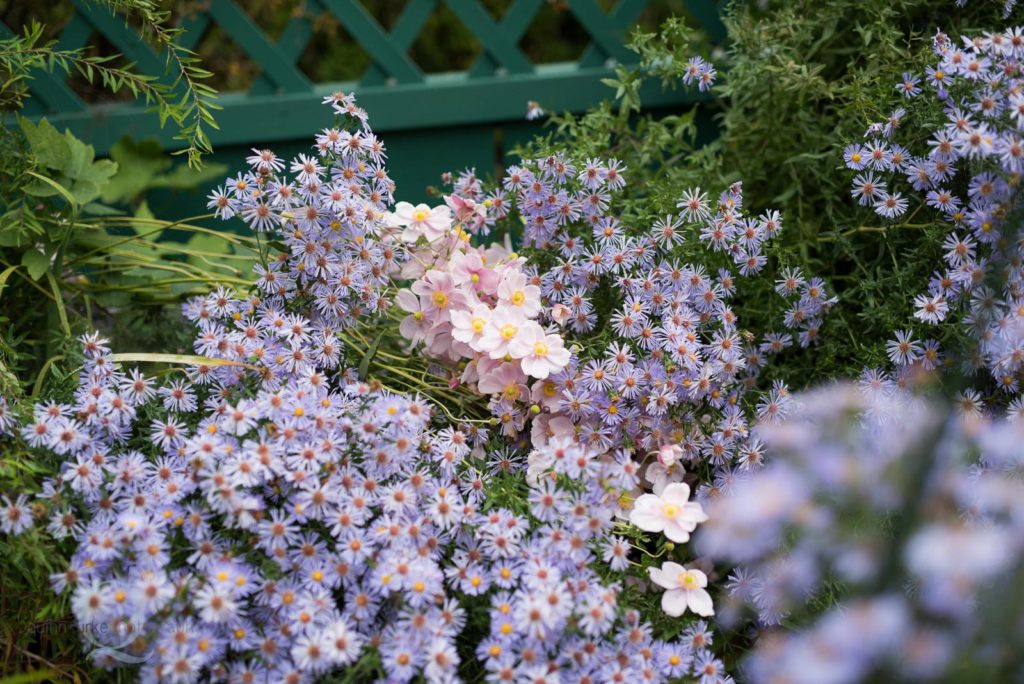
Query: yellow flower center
x,y
687,579
420,215
419,587
478,325
518,297
670,510
508,331
540,349
440,299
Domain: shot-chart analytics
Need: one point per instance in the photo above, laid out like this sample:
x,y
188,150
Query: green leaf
x,y
138,162
81,156
48,146
59,300
38,387
5,275
55,188
29,677
97,209
35,262
181,177
185,359
144,212
364,363
84,191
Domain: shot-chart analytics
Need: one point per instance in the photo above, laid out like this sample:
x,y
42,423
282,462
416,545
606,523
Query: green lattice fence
x,y
432,121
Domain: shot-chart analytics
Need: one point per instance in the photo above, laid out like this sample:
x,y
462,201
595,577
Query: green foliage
x,y
803,79
799,80
79,251
180,94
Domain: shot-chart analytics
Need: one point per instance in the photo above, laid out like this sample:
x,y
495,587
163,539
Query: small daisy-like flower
x,y
930,309
16,515
904,350
671,512
685,590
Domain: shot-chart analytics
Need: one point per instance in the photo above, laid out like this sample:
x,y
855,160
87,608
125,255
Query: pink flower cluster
x,y
477,305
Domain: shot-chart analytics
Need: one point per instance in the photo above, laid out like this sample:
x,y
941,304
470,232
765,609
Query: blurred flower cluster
x,y
885,533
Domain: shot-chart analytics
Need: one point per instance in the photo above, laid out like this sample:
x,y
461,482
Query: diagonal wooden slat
x,y
709,17
408,25
604,32
495,41
624,15
49,88
293,41
126,40
372,38
514,24
74,34
194,29
241,28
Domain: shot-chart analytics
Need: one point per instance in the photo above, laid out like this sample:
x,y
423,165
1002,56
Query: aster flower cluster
x,y
269,517
659,360
292,527
329,215
700,71
968,172
915,513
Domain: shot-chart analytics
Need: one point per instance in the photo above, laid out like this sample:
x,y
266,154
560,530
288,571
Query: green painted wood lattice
x,y
283,104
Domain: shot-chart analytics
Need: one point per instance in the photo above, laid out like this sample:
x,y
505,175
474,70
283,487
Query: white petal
x,y
662,578
676,532
677,493
646,514
673,602
694,513
702,579
673,568
699,602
